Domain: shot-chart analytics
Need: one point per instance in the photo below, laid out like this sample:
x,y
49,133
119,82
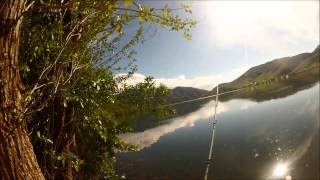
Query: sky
x,y
230,37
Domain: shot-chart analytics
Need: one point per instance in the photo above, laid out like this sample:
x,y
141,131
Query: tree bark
x,y
63,131
17,159
65,138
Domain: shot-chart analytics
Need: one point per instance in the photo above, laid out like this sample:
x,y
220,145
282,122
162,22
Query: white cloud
x,y
148,137
203,82
264,25
247,104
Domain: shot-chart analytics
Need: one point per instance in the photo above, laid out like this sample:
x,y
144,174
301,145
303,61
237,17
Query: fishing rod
x,y
212,135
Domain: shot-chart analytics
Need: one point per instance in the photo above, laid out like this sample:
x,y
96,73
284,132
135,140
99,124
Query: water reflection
x,y
148,137
247,105
280,170
254,140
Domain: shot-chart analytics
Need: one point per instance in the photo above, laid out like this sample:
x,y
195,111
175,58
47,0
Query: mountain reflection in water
x,y
254,140
148,137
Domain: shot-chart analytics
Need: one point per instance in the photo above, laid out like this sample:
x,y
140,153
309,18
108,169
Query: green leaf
x,y
49,141
59,158
81,104
187,36
38,134
127,3
65,104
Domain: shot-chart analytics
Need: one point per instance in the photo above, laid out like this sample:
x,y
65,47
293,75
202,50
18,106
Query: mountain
x,y
185,93
179,94
268,78
277,78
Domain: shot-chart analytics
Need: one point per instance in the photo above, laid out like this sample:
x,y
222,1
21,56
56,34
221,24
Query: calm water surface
x,y
272,139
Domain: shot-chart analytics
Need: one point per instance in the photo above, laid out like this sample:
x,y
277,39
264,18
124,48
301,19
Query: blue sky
x,y
230,37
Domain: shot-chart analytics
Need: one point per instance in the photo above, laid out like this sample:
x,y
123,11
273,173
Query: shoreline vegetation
x,y
62,107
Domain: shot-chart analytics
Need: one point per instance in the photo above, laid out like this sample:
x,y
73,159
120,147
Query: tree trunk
x,y
17,159
63,131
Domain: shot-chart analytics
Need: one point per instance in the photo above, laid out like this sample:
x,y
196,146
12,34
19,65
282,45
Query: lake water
x,y
273,139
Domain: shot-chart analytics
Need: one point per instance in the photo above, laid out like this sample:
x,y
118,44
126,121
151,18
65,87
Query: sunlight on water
x,y
275,139
280,170
288,177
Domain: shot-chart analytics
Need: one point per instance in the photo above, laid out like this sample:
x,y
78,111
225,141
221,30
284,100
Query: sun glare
x,y
280,170
256,22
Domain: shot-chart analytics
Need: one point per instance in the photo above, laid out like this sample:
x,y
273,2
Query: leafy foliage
x,y
146,97
69,54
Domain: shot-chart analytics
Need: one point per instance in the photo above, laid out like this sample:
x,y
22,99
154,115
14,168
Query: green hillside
x,y
278,78
185,93
275,78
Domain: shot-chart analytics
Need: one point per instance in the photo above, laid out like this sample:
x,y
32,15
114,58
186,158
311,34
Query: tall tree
x,y
69,45
17,159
